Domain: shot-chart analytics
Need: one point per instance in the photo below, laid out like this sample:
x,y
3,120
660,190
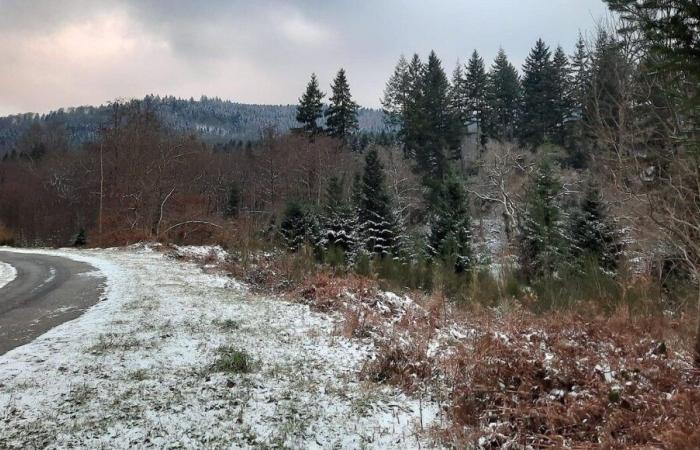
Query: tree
x,y
233,201
450,225
376,222
341,116
538,100
592,233
433,129
561,94
396,94
310,108
294,226
338,221
580,78
542,243
475,85
503,96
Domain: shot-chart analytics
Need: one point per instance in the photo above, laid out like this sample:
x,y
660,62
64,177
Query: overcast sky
x,y
77,52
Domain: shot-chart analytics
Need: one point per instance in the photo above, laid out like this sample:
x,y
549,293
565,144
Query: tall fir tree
x,y
450,225
341,115
581,77
476,81
435,133
538,101
376,221
562,95
503,96
591,232
396,93
310,108
542,245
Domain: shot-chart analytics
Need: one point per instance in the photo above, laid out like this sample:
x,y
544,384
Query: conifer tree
x,y
396,94
538,100
338,219
541,241
450,225
476,81
561,93
503,97
294,226
458,96
341,116
310,108
434,130
232,202
592,233
376,221
580,81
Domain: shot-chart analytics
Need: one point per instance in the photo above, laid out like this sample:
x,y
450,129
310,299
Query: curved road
x,y
47,291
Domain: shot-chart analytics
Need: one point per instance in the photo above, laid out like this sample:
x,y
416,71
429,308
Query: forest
x,y
567,188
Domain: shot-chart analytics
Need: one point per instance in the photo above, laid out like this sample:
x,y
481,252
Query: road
x,y
47,291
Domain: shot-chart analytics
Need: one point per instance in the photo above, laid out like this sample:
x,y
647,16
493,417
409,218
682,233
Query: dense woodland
x,y
223,123
577,175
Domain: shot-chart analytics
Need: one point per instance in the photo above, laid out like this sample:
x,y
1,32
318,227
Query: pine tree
x,y
458,97
450,225
434,130
562,94
232,201
592,233
541,241
338,222
341,116
538,100
503,98
396,94
476,81
412,132
376,221
294,226
310,108
581,77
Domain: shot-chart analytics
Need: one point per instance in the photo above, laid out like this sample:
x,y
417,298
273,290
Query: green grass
x,y
232,360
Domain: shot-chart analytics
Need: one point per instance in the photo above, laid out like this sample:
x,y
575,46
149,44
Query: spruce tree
x,y
338,219
232,201
376,221
503,97
412,132
310,108
541,241
450,225
562,94
458,96
592,233
435,132
580,83
341,116
294,226
538,101
396,94
476,81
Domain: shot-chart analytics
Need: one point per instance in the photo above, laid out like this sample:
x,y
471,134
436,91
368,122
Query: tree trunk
x,y
697,333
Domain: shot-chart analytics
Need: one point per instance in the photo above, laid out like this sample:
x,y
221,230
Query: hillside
x,y
215,120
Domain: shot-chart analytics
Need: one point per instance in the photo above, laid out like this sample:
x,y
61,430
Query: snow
x,y
7,274
136,370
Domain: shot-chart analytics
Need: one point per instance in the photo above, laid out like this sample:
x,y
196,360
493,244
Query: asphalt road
x,y
47,291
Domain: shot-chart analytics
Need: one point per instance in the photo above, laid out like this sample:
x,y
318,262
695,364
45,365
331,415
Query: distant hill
x,y
215,120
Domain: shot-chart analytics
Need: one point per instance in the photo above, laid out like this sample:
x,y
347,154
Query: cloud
x,y
86,52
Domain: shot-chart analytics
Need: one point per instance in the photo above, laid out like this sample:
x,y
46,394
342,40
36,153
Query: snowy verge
x,y
7,274
139,369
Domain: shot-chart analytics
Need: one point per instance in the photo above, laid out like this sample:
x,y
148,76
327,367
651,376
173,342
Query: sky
x,y
84,52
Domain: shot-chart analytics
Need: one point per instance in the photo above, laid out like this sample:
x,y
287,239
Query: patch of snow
x,y
7,274
136,370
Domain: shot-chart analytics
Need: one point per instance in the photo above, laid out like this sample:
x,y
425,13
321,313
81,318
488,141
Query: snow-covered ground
x,y
136,370
7,274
